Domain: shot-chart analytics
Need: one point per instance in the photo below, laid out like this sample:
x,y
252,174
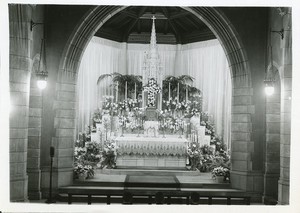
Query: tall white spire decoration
x,y
151,66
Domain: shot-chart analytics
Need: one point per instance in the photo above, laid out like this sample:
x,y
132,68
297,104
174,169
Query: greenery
x,y
194,154
132,81
220,171
206,159
86,158
109,155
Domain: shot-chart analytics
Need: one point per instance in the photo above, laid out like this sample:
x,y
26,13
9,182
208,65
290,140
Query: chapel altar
x,y
153,131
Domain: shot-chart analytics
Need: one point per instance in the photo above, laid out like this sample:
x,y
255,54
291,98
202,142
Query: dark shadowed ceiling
x,y
174,25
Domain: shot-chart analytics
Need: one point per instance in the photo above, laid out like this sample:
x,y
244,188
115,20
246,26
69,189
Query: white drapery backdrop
x,y
205,61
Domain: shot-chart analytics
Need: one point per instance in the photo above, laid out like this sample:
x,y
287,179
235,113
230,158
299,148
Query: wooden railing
x,y
160,196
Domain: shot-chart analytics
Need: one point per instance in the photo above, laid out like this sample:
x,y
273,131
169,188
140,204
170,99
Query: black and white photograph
x,y
108,106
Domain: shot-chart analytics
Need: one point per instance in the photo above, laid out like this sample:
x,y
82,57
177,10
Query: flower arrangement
x,y
109,154
220,171
109,107
86,157
152,88
207,155
194,155
128,105
85,170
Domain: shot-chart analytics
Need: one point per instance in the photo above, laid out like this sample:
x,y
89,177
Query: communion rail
x,y
110,195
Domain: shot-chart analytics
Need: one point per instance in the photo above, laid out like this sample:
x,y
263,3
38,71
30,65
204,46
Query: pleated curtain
x,y
205,61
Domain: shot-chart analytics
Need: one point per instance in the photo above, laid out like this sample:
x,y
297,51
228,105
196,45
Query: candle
x,y
186,93
178,91
125,90
117,92
134,90
169,91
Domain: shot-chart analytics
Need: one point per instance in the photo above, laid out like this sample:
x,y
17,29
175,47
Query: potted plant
x,y
194,155
109,155
219,173
85,159
83,171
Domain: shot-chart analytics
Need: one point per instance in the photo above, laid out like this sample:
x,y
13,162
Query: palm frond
x,y
101,77
185,78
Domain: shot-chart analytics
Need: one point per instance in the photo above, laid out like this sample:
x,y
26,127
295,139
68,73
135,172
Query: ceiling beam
x,y
192,22
139,26
166,27
180,14
177,35
129,13
175,31
131,25
182,26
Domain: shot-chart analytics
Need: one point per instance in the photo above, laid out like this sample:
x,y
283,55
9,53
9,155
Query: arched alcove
x,y
242,107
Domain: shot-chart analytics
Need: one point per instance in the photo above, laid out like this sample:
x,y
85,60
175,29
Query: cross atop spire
x,y
153,36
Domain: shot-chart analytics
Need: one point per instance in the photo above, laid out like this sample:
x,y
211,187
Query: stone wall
x,y
48,119
19,79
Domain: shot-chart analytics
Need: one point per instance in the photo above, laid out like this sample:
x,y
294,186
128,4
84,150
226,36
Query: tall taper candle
x,y
134,91
125,90
169,91
178,91
117,92
186,93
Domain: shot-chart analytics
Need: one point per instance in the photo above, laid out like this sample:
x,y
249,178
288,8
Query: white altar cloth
x,y
171,145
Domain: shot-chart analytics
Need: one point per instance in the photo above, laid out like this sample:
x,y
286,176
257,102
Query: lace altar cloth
x,y
169,146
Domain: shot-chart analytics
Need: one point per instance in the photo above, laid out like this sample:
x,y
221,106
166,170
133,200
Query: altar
x,y
151,152
154,127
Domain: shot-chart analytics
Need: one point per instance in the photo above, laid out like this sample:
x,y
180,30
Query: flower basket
x,y
218,173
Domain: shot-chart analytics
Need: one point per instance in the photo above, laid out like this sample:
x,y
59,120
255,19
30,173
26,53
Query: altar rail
x,y
110,195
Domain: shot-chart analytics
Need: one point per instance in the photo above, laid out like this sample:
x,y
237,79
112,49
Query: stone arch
x,y
242,107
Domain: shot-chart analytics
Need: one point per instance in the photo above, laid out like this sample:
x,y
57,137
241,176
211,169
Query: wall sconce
x,y
282,14
41,79
41,72
269,87
269,74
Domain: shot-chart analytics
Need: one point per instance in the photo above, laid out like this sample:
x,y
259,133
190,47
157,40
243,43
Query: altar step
x,y
148,171
154,178
138,188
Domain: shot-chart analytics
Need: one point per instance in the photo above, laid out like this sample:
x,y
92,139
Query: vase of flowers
x,y
219,173
82,172
109,155
194,155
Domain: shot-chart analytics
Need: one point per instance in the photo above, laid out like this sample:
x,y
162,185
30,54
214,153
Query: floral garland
x,y
152,88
